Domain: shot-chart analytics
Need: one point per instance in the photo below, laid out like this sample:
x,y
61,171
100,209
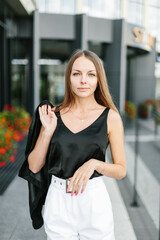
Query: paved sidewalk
x,y
148,177
15,223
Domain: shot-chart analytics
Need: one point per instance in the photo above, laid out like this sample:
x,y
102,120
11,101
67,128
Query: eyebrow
x,y
80,71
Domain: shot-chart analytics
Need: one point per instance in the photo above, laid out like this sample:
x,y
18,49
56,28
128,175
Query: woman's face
x,y
83,77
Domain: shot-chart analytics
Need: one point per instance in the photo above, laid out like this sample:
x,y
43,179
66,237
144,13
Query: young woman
x,y
74,137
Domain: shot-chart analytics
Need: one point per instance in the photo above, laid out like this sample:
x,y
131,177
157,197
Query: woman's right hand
x,y
48,118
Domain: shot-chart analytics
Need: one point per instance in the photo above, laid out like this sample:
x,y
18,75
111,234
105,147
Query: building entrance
x,y
52,80
140,82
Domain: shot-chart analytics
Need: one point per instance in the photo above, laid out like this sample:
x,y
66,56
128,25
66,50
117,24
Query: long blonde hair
x,y
102,94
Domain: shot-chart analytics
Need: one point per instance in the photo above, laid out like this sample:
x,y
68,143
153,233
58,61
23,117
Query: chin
x,y
84,94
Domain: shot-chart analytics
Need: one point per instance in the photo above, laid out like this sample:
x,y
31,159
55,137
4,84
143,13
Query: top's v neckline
x,y
84,128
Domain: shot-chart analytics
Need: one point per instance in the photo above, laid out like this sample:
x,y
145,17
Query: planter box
x,y
8,172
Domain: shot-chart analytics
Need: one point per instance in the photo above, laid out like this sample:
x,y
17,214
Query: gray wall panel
x,y
56,26
100,30
142,82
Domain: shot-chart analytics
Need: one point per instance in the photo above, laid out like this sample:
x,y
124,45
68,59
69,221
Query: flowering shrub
x,y
144,108
150,101
130,109
14,124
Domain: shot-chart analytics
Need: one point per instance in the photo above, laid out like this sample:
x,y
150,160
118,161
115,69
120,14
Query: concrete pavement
x,y
148,177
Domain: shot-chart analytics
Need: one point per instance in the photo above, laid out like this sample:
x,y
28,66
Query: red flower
x,y
12,158
7,107
15,151
2,164
12,108
2,150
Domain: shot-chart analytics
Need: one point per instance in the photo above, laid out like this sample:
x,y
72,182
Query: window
x,y
102,8
53,6
135,12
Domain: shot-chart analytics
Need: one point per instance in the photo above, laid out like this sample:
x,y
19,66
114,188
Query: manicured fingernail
x,y
76,193
82,191
72,194
67,190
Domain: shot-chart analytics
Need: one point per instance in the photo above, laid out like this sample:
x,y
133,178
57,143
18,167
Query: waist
x,y
62,184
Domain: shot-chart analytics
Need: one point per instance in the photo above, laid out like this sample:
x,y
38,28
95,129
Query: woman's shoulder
x,y
113,115
114,120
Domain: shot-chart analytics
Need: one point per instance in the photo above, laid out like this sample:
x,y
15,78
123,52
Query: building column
x,y
84,33
5,91
81,30
115,64
1,71
30,80
36,56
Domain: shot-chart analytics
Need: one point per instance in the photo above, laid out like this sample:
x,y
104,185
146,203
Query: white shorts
x,y
87,216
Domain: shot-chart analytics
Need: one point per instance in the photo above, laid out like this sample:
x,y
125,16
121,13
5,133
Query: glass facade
x,y
153,22
147,15
53,57
135,12
5,54
61,6
20,72
52,82
101,8
15,61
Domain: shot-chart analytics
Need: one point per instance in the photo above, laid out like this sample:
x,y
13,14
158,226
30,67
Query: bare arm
x,y
37,157
116,139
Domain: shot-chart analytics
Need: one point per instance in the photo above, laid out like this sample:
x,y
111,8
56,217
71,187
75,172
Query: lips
x,y
83,88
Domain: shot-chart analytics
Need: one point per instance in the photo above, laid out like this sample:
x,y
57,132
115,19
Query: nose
x,y
83,78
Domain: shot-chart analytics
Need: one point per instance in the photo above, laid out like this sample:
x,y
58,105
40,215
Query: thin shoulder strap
x,y
108,108
106,111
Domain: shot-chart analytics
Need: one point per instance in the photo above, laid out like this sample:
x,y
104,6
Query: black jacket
x,y
39,182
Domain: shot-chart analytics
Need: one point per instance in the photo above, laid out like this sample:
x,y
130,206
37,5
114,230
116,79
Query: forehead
x,y
83,63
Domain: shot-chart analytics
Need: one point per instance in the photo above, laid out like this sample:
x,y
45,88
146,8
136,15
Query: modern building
x,y
37,39
16,53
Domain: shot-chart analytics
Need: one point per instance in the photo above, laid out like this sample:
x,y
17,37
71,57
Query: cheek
x,y
93,83
73,82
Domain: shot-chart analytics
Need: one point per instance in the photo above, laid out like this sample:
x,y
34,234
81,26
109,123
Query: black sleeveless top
x,y
68,151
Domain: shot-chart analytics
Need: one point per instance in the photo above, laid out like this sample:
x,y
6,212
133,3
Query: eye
x,y
91,74
76,74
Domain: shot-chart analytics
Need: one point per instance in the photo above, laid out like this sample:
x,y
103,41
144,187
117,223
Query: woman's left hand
x,y
82,175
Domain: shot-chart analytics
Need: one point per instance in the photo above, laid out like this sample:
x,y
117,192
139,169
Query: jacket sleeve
x,y
38,183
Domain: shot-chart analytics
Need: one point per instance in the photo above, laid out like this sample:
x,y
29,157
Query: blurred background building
x,y
36,40
38,37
